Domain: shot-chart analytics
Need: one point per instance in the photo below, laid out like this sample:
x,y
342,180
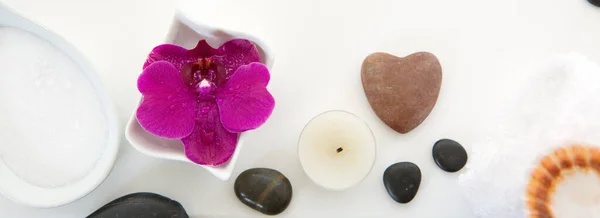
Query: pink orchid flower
x,y
204,96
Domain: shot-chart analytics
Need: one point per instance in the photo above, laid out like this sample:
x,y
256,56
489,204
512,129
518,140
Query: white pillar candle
x,y
336,149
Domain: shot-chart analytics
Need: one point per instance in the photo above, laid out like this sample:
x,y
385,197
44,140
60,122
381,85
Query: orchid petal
x,y
209,143
235,53
244,101
168,106
173,54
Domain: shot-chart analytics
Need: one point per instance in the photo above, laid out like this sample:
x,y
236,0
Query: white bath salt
x,y
53,129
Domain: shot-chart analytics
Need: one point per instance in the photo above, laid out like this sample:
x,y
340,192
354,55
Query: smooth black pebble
x,y
265,190
147,205
595,2
449,155
402,181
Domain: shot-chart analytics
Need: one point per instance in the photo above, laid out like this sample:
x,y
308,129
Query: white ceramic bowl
x,y
14,188
186,32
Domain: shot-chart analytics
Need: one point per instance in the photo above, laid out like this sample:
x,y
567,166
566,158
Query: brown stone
x,y
402,91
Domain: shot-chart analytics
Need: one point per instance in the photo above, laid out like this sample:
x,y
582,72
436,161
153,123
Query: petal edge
x,y
167,109
235,53
209,143
171,53
244,101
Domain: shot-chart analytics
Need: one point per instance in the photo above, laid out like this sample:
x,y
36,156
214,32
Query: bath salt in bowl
x,y
58,130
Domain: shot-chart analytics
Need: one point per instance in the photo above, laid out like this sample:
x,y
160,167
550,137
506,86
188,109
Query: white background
x,y
484,46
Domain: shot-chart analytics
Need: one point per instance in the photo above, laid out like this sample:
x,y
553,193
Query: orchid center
x,y
204,88
204,84
201,69
203,65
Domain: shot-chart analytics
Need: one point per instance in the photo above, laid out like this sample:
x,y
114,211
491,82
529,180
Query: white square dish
x,y
186,33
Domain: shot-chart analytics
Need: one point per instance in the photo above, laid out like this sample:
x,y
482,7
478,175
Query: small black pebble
x,y
449,155
595,2
265,190
402,181
147,205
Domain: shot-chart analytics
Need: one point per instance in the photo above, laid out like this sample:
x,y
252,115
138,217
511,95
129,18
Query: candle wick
x,y
340,149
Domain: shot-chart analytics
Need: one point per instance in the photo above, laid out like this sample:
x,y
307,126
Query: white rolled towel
x,y
558,106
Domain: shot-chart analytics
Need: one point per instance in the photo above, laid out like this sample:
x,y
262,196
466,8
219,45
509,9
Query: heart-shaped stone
x,y
402,91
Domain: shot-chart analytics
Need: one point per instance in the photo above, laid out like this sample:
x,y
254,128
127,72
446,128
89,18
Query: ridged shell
x,y
551,170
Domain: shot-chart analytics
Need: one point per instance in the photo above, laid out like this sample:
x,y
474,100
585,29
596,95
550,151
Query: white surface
x,y
320,155
319,47
18,76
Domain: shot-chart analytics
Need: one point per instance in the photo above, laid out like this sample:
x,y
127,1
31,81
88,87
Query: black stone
x,y
147,205
449,155
595,2
265,190
402,181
